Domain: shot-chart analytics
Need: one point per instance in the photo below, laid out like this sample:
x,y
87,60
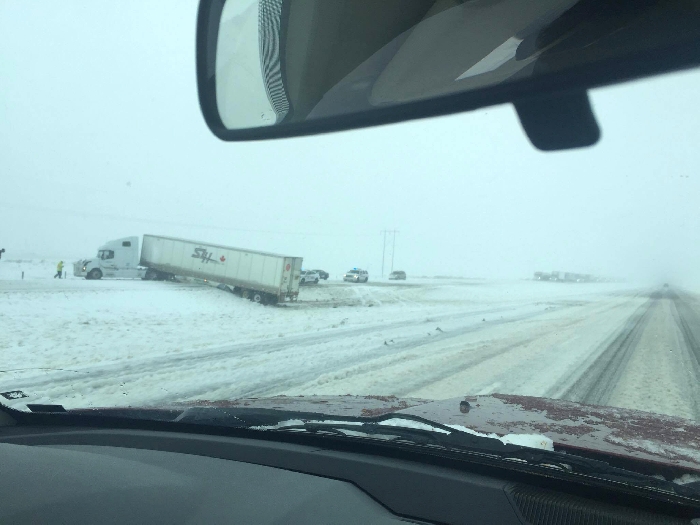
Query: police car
x,y
356,276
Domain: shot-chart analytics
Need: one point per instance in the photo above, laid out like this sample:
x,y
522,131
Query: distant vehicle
x,y
323,275
259,276
397,276
309,276
356,276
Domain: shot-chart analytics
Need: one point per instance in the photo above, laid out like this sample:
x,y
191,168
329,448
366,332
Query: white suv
x,y
308,276
356,276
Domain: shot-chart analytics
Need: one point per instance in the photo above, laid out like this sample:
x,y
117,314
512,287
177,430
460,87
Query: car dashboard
x,y
88,475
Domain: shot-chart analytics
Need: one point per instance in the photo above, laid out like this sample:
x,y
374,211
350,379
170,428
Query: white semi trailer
x,y
260,276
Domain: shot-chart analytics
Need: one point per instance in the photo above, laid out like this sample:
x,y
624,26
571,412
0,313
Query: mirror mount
x,y
557,121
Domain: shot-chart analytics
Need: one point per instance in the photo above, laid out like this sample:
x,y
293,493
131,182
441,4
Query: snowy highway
x,y
107,343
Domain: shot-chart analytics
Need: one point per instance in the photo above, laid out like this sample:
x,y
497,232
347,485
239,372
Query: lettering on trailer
x,y
206,256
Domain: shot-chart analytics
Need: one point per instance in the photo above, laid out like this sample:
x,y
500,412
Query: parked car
x,y
356,276
398,275
323,275
309,276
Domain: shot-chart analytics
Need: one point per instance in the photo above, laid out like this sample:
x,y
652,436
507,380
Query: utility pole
x,y
383,250
393,247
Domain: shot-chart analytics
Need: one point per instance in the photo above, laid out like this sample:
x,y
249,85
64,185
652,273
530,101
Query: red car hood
x,y
630,434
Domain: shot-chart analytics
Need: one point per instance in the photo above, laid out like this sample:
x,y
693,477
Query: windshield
x,y
569,276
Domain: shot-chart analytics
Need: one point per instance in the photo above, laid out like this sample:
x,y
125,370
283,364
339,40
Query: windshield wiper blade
x,y
462,441
423,432
431,433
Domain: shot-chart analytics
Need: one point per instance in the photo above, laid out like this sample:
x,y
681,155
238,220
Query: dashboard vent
x,y
544,507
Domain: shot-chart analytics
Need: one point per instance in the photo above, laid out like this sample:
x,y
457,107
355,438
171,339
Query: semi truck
x,y
118,259
259,276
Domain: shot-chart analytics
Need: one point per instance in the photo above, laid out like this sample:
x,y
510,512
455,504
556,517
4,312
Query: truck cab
x,y
118,259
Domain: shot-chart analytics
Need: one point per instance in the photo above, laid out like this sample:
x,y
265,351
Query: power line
x,y
383,250
124,218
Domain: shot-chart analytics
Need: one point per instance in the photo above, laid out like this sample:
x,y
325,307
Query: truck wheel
x,y
316,281
151,275
257,297
245,294
95,273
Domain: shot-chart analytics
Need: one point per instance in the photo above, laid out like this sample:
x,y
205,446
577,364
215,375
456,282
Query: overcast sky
x,y
101,137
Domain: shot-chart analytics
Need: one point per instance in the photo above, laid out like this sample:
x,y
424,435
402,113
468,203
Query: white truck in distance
x,y
259,276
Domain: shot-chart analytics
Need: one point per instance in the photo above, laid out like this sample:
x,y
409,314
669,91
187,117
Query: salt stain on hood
x,y
655,447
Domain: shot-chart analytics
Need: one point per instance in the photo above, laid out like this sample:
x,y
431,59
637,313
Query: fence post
x,y
23,275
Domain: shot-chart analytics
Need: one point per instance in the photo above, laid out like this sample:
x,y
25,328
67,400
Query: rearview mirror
x,y
281,68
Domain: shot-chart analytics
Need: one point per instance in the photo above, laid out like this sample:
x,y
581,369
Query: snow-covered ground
x,y
117,342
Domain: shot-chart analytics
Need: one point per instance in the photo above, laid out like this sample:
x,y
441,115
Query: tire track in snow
x,y
688,322
597,382
463,361
121,371
295,378
398,353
